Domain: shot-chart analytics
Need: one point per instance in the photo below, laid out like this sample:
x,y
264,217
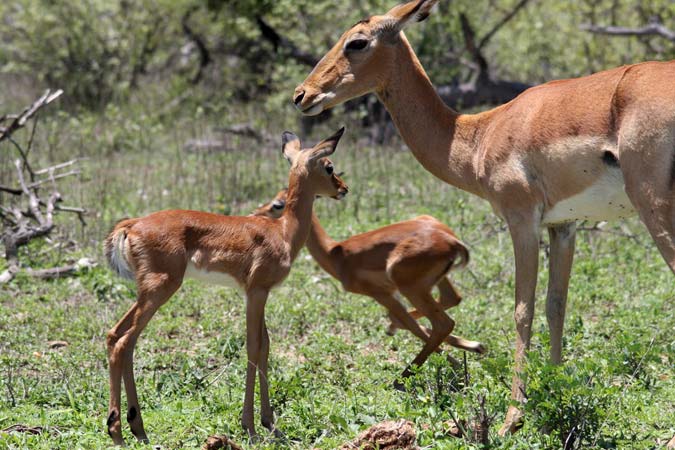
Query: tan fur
x,y
410,258
552,143
162,248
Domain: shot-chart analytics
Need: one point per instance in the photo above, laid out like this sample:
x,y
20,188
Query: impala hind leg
x,y
650,186
121,341
441,324
448,298
560,267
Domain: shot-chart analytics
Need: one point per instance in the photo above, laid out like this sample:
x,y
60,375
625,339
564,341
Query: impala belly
x,y
211,277
605,199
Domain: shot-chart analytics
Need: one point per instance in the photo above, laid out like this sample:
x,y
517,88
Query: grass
x,y
332,366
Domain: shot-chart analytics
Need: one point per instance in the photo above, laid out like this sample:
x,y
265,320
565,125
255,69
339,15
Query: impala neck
x,y
297,215
442,140
320,246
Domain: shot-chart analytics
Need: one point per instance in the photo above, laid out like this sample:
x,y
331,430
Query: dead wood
x,y
30,213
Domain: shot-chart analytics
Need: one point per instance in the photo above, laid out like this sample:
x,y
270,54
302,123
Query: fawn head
x,y
314,165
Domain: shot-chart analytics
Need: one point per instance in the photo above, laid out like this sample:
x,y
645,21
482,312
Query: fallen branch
x,y
61,272
29,216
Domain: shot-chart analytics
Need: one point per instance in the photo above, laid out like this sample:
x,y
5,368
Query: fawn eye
x,y
329,169
357,44
278,205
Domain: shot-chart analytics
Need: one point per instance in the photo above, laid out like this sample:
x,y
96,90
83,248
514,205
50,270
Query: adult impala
x,y
406,258
598,147
253,254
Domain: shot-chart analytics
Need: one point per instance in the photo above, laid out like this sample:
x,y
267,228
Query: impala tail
x,y
461,255
117,248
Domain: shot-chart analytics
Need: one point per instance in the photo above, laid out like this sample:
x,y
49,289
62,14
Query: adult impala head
x,y
361,61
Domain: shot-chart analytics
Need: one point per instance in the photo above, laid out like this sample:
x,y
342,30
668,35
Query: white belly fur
x,y
214,277
604,200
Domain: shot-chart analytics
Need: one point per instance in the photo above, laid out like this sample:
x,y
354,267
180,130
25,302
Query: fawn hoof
x,y
481,348
513,421
399,386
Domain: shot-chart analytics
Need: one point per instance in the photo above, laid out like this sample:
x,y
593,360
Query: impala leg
x,y
441,324
133,407
255,316
464,344
121,341
266,413
525,236
399,315
115,368
448,298
650,185
560,267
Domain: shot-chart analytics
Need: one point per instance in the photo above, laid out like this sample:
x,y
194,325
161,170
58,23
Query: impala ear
x,y
290,146
403,15
327,146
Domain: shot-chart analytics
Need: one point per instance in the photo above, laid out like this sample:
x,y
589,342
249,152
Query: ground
x,y
332,365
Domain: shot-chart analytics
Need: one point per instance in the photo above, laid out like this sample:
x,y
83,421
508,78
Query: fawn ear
x,y
327,146
290,146
403,15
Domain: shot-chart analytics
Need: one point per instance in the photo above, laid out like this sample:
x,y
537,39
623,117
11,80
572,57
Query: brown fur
x,y
257,252
528,157
409,257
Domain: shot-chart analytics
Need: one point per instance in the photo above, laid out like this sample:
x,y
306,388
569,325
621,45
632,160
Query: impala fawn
x,y
253,254
410,258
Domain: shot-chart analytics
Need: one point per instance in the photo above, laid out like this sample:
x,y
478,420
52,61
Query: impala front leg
x,y
525,235
255,316
560,267
266,412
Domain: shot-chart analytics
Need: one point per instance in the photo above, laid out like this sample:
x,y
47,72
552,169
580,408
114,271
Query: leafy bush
x,y
94,50
569,402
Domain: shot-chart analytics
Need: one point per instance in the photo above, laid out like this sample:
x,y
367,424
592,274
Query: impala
x,y
253,254
406,258
597,148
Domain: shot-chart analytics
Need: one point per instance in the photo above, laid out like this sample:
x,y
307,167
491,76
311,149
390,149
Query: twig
x,y
20,120
55,177
10,190
56,167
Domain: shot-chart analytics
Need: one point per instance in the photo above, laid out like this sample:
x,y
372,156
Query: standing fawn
x,y
409,258
253,254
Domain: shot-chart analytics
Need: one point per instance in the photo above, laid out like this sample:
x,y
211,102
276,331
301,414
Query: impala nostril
x,y
299,97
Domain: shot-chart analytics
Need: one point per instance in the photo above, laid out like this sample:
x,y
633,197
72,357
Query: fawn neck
x,y
442,140
320,246
297,216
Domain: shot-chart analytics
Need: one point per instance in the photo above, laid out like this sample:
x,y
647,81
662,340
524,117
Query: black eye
x,y
278,205
357,44
329,169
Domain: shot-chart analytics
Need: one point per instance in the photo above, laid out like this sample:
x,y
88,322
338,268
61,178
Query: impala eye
x,y
329,169
357,44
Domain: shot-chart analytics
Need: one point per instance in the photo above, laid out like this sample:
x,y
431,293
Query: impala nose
x,y
298,98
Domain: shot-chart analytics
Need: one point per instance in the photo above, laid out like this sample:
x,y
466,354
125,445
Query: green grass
x,y
332,366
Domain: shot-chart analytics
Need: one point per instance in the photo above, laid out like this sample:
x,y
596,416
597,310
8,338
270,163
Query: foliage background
x,y
133,102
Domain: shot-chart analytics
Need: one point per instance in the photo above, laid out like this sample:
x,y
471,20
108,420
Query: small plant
x,y
568,402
